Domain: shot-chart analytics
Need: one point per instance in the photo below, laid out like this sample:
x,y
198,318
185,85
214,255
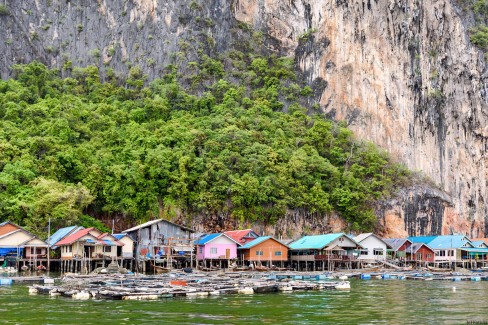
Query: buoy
x,y
344,277
345,285
454,289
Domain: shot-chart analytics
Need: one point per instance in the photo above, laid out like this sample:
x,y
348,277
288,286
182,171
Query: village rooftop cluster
x,y
161,245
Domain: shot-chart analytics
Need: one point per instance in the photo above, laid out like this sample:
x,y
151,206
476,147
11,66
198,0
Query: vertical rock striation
x,y
404,75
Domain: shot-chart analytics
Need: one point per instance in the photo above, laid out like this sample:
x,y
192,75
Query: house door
x,y
227,253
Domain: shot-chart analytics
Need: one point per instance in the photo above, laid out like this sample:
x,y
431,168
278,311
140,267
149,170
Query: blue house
x,y
448,248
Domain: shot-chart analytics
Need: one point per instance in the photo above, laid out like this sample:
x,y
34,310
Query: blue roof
x,y
477,243
255,242
206,238
441,242
118,236
315,242
109,242
60,234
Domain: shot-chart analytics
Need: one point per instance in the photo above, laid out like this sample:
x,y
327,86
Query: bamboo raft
x,y
161,287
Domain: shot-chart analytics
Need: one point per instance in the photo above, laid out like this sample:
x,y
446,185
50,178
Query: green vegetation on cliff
x,y
77,146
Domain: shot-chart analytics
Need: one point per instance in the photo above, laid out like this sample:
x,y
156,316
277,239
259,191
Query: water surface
x,y
368,302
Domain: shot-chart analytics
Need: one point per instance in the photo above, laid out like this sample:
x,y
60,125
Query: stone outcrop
x,y
404,75
401,73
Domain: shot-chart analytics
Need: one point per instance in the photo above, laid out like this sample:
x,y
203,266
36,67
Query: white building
x,y
374,247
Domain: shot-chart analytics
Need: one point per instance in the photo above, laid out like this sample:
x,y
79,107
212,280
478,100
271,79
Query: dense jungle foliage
x,y
237,144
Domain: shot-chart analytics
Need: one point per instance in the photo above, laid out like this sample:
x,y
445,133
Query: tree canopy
x,y
235,141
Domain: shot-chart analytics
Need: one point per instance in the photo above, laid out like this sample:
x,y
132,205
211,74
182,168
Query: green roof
x,y
254,242
314,242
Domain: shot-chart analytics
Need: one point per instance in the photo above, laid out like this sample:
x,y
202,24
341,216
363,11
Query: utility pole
x,y
48,246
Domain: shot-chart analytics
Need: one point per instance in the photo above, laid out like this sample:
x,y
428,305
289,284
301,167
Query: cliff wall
x,y
404,75
401,73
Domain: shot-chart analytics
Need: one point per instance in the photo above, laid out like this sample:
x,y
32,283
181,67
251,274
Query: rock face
x,y
402,73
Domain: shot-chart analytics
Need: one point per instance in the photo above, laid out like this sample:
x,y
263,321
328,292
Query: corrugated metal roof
x,y
74,237
255,242
396,243
315,242
209,237
60,234
361,237
152,222
441,242
412,249
241,235
120,236
478,243
111,243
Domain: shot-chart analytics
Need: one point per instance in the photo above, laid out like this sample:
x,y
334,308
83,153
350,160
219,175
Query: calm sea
x,y
368,302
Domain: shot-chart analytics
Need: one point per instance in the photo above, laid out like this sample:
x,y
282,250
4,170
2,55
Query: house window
x,y
419,256
450,253
442,253
377,251
213,250
428,255
200,249
259,253
69,249
277,253
364,252
107,249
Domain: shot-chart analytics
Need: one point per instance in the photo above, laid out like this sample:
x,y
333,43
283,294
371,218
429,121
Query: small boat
x,y
261,268
438,269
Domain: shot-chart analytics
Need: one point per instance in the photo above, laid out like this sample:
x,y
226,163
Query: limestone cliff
x,y
402,73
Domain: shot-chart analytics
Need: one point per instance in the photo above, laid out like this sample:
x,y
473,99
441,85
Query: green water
x,y
368,302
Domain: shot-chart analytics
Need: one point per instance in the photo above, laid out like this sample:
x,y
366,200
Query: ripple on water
x,y
368,302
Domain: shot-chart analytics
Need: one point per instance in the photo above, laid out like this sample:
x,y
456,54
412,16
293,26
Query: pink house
x,y
216,247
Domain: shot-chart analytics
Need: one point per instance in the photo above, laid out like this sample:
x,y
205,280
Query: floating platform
x,y
168,286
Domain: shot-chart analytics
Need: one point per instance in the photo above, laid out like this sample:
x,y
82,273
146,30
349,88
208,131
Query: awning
x,y
334,248
475,250
183,248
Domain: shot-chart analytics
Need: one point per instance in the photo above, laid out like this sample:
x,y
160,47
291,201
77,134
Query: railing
x,y
335,257
332,257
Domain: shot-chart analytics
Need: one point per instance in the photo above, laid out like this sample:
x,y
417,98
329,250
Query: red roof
x,y
74,237
240,236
